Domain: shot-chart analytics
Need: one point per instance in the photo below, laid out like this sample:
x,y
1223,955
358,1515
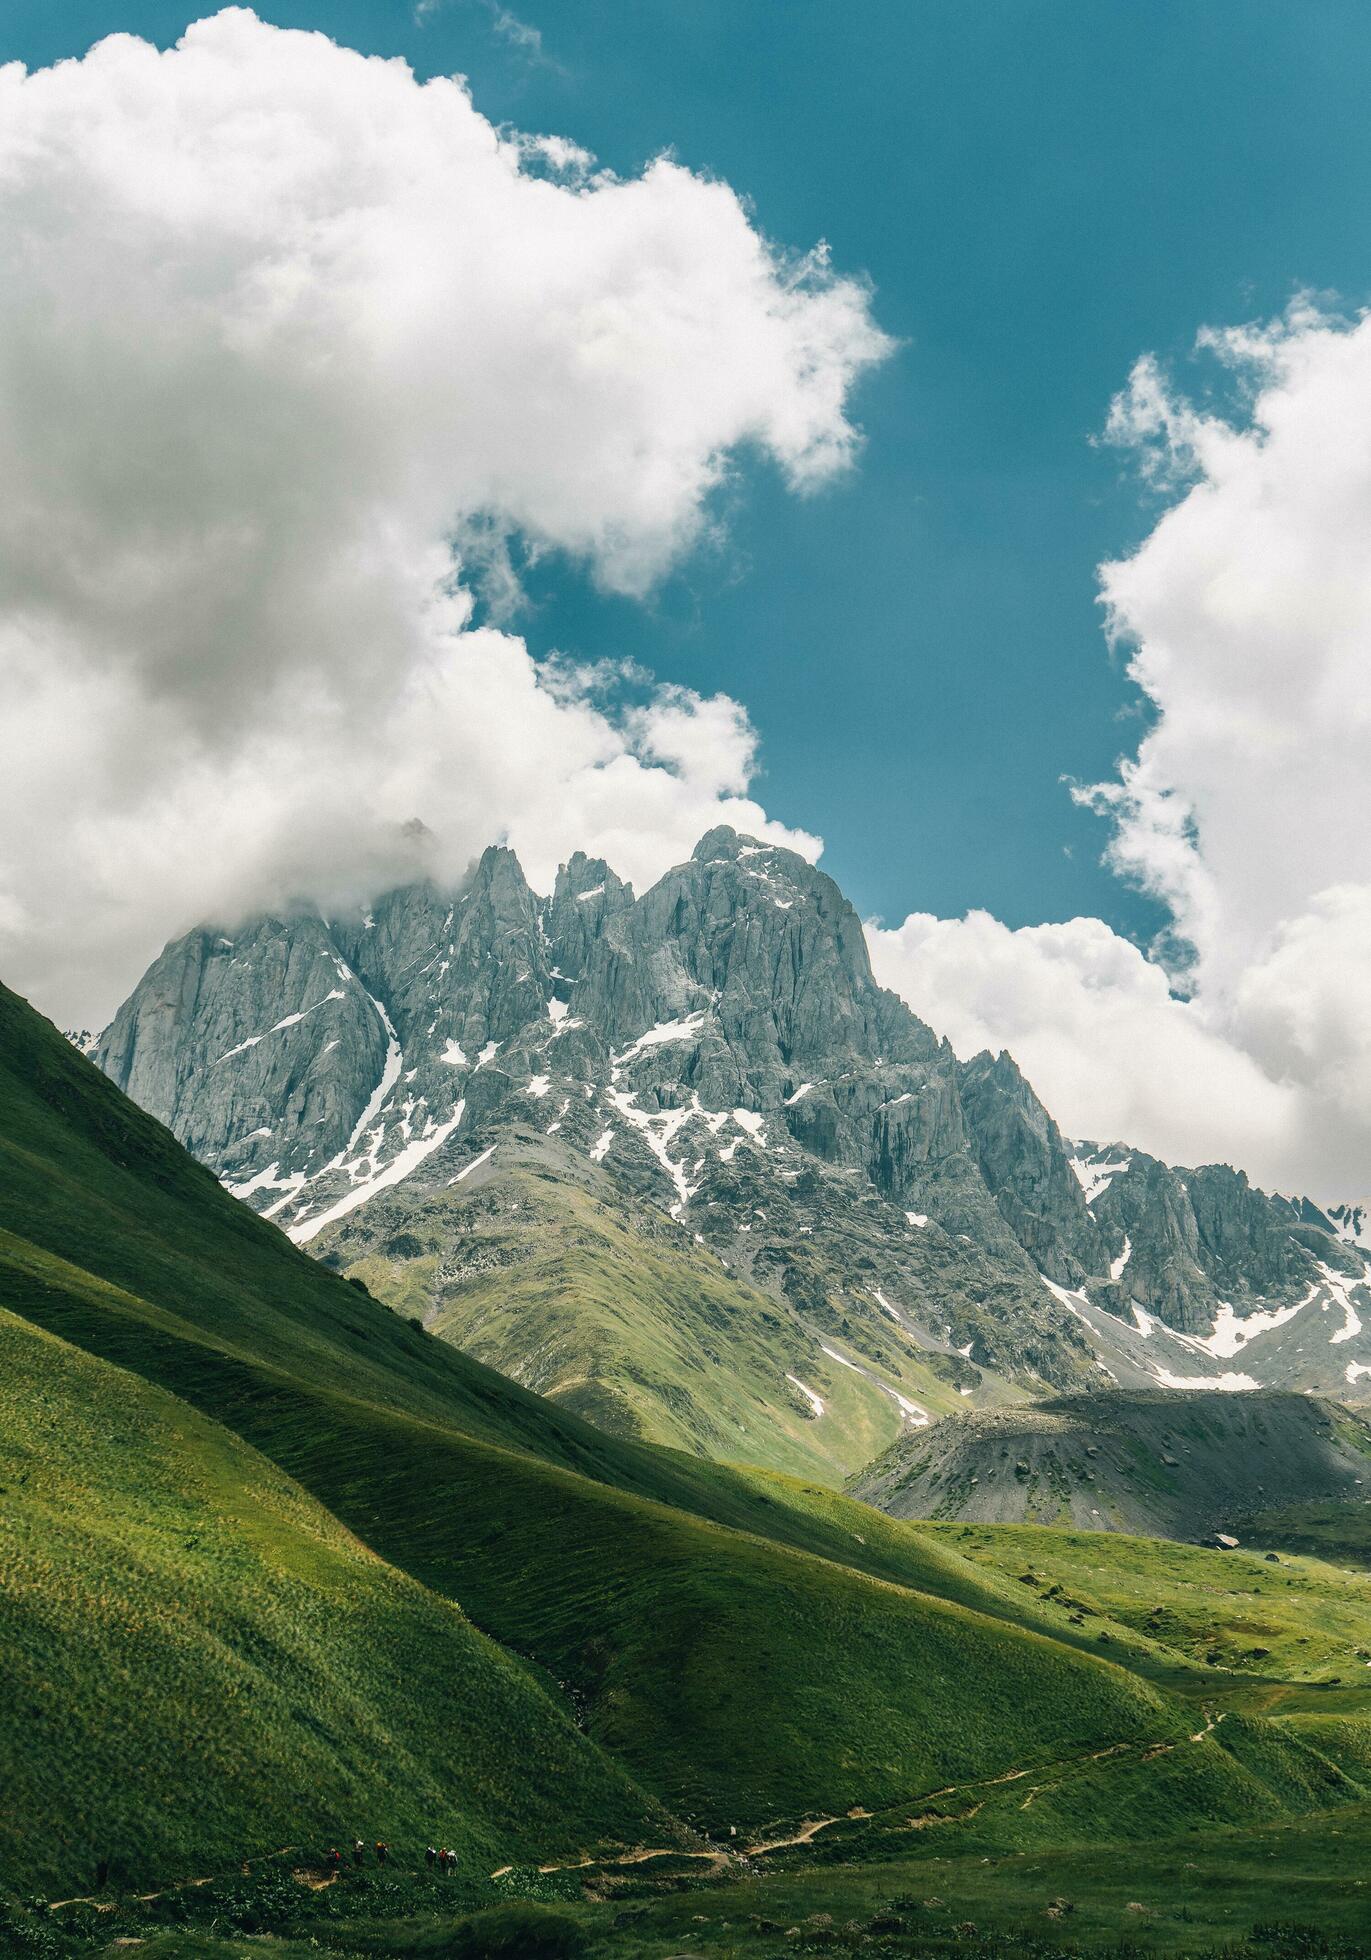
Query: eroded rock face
x,y
716,1048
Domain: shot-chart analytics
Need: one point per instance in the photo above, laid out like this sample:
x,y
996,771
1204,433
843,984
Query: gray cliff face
x,y
716,1049
1026,1165
1197,1239
237,1043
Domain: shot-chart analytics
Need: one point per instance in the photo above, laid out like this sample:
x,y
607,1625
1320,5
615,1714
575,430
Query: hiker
x,y
381,1849
102,1875
335,1860
359,1852
431,1857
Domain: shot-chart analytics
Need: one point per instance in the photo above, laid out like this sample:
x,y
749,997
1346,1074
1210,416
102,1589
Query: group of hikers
x,y
437,1859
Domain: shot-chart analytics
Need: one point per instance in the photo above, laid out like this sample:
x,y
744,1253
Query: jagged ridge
x,y
716,1050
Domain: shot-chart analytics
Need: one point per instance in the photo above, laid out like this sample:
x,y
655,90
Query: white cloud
x,y
286,337
1247,808
1094,1027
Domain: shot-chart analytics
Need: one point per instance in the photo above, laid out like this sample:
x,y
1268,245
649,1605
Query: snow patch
x,y
1095,1174
454,1055
1231,1334
399,1168
539,1085
390,1075
601,1145
241,1049
1116,1266
816,1402
752,1123
665,1031
1235,1383
1340,1286
658,1129
268,1180
474,1165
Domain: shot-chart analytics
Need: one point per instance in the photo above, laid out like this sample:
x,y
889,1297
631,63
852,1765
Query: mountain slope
x,y
740,1646
202,1664
547,1274
1166,1464
788,1222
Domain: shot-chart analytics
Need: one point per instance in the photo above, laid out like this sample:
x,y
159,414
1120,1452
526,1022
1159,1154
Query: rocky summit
x,y
677,1160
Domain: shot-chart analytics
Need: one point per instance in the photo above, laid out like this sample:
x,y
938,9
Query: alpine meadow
x,y
685,931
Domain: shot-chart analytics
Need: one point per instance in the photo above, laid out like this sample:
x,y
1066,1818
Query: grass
x,y
202,1664
1299,1621
1337,1532
615,1318
617,1315
1294,1889
291,1493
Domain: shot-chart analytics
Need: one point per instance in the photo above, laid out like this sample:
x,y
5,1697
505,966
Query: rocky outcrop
x,y
716,1049
1156,1464
1026,1165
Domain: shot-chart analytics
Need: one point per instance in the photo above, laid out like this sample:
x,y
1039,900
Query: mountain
x,y
288,1501
676,1161
1163,1464
365,1578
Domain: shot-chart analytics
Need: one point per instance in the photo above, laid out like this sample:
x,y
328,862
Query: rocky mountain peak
x,y
717,1054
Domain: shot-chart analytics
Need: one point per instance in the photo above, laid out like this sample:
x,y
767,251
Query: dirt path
x,y
919,1821
720,1857
805,1834
107,1904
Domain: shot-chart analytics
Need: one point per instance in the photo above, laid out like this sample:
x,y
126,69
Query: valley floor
x,y
1299,1888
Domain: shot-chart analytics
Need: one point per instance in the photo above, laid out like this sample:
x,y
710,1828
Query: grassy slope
x,y
1195,1895
1199,1896
634,1330
1338,1532
201,1664
617,1315
1299,1621
736,1676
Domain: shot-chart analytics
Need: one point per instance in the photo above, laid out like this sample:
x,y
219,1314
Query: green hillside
x,y
612,1312
1285,1621
179,1620
291,1491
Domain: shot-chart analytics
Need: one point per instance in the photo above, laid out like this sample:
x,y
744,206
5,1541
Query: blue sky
x,y
1039,192
1041,195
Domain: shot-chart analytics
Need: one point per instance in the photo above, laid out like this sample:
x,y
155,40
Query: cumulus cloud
x,y
1095,1027
1247,807
292,347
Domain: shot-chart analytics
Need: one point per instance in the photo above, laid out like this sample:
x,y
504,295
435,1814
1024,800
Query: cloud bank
x,y
1247,808
291,346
